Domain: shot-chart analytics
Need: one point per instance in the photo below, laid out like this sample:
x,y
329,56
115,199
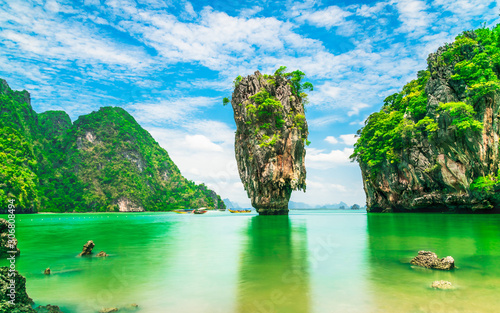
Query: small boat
x,y
199,211
239,211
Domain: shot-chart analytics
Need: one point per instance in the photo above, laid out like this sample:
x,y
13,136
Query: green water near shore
x,y
310,261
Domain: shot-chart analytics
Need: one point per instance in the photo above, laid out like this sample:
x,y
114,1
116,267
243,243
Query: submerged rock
x,y
442,284
270,139
47,271
108,310
429,259
87,248
48,309
7,245
102,254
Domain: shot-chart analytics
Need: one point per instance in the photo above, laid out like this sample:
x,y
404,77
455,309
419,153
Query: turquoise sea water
x,y
310,261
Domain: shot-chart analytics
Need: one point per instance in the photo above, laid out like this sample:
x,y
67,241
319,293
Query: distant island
x,y
434,146
103,162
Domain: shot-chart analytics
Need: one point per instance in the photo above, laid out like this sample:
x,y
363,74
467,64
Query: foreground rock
x,y
270,139
442,284
7,244
48,309
22,301
87,248
108,310
102,254
47,271
429,259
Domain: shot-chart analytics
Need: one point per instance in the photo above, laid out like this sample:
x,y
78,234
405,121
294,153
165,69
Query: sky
x,y
170,63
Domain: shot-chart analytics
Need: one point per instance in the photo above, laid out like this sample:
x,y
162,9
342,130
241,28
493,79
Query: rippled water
x,y
310,261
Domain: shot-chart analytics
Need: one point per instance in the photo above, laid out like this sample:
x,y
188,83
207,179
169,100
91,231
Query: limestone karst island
x,y
298,157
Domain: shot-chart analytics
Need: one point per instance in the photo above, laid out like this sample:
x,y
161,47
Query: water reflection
x,y
274,274
473,241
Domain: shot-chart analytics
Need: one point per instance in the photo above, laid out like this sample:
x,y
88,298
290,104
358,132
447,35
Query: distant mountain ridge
x,y
104,161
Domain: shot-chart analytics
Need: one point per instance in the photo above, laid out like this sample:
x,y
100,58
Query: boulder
x,y
429,259
48,309
108,310
22,301
7,245
87,248
102,254
47,271
442,284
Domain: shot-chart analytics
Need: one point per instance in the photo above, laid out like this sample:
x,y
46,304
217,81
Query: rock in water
x,y
48,309
87,248
429,259
47,271
102,254
270,138
442,284
22,301
7,244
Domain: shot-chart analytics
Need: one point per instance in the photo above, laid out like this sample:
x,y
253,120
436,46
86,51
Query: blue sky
x,y
170,63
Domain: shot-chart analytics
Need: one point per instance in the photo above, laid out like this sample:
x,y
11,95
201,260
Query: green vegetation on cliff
x,y
474,59
267,112
104,161
434,145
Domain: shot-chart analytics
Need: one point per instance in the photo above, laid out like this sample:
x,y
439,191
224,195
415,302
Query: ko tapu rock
x,y
271,137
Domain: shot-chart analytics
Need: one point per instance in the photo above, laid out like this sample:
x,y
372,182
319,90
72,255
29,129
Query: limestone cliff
x,y
104,161
270,138
435,145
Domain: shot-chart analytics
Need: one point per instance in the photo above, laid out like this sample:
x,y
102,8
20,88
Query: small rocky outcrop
x,y
108,310
47,271
22,301
270,139
429,259
48,309
102,254
7,244
442,284
87,248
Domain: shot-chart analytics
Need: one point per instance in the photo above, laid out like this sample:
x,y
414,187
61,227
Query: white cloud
x,y
170,111
414,16
356,108
328,17
331,139
201,143
318,159
371,11
349,139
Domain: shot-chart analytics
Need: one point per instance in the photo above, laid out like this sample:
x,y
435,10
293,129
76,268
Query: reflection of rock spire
x,y
270,139
274,273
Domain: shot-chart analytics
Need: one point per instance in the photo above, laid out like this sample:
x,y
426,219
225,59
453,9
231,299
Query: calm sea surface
x,y
310,261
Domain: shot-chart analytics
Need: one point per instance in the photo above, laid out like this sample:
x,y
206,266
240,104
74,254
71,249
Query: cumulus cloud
x,y
331,139
320,159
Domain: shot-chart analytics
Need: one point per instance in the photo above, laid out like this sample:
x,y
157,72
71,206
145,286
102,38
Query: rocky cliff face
x,y
446,155
270,139
104,161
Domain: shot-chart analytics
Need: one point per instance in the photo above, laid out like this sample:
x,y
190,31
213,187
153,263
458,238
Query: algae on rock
x,y
271,137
